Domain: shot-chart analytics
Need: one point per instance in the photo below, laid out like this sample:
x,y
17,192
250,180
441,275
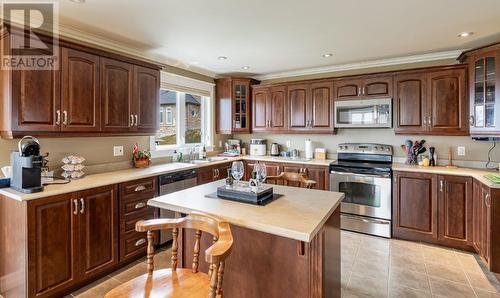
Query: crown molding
x,y
107,41
363,65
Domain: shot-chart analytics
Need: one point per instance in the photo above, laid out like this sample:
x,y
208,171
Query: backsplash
x,y
474,151
98,151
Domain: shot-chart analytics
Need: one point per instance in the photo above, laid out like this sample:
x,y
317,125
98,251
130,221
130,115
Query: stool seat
x,y
164,283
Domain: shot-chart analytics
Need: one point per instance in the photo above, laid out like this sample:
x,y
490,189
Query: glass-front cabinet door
x,y
484,101
241,106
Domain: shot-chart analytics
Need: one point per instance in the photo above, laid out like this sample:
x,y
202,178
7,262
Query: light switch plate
x,y
117,150
288,144
461,151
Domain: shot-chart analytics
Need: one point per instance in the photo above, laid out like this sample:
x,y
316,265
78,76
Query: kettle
x,y
275,149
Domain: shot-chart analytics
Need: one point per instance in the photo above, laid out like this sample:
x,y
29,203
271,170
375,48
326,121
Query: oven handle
x,y
374,221
361,175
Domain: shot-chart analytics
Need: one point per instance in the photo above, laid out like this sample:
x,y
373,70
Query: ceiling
x,y
274,36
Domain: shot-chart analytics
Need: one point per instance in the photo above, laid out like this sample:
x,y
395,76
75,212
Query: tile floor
x,y
371,267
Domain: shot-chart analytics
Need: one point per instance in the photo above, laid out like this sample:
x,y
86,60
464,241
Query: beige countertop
x,y
477,174
107,178
299,214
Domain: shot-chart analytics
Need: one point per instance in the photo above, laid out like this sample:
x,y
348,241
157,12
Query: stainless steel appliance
x,y
363,113
363,172
170,183
258,147
275,149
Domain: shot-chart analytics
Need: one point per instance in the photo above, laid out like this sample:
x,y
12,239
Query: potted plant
x,y
141,158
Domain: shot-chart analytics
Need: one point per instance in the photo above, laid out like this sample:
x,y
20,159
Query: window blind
x,y
184,89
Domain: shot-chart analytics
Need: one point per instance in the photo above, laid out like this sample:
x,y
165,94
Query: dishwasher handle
x,y
176,177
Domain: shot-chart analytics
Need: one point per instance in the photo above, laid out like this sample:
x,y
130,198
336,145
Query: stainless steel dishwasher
x,y
170,183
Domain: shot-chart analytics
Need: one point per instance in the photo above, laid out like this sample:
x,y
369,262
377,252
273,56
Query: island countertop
x,y
298,214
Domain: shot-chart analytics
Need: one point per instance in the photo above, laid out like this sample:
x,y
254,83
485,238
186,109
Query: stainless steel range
x,y
363,172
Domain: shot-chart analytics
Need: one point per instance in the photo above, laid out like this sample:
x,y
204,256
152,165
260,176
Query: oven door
x,y
365,194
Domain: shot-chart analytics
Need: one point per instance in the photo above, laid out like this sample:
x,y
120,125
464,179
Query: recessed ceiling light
x,y
246,67
327,55
222,58
465,34
78,1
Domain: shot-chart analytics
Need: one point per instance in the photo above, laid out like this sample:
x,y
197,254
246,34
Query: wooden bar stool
x,y
293,177
181,282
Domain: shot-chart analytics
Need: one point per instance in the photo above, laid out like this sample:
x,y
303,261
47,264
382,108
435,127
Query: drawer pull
x,y
140,188
140,205
140,242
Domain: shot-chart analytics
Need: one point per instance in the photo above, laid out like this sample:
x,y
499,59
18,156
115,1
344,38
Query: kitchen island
x,y
287,248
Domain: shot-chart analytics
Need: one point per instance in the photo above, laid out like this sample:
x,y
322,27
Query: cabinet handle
x,y
75,205
363,91
131,120
82,209
136,120
472,121
441,185
429,121
359,91
140,205
487,200
58,117
140,188
140,242
65,117
311,122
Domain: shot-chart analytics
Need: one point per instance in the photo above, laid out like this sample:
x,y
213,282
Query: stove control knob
x,y
375,148
387,149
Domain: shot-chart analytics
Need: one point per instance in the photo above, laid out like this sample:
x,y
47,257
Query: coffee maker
x,y
27,166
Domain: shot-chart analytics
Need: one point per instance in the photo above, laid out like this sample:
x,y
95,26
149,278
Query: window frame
x,y
206,112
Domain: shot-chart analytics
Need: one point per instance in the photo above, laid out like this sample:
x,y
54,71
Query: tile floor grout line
x,y
426,271
466,275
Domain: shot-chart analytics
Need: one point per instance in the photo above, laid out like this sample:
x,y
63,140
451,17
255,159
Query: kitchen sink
x,y
203,161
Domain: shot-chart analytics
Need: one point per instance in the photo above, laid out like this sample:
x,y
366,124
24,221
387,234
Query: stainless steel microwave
x,y
363,113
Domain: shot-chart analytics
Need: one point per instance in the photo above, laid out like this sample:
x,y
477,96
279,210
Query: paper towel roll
x,y
309,149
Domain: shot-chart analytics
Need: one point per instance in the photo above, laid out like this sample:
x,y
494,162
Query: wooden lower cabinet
x,y
134,196
212,173
320,174
415,211
455,211
481,209
439,209
72,237
53,251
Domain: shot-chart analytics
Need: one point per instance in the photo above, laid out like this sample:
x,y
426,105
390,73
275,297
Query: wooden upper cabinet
x,y
298,100
223,106
415,210
377,87
455,211
410,100
80,93
277,106
363,87
52,245
320,107
233,105
35,100
116,95
484,89
146,99
259,109
347,89
98,246
431,102
447,105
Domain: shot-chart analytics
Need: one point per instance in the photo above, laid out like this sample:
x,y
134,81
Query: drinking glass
x,y
238,170
260,172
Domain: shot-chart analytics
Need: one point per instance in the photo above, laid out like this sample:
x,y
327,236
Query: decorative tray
x,y
243,193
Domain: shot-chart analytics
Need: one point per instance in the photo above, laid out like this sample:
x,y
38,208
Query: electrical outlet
x,y
220,144
117,150
461,151
288,144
